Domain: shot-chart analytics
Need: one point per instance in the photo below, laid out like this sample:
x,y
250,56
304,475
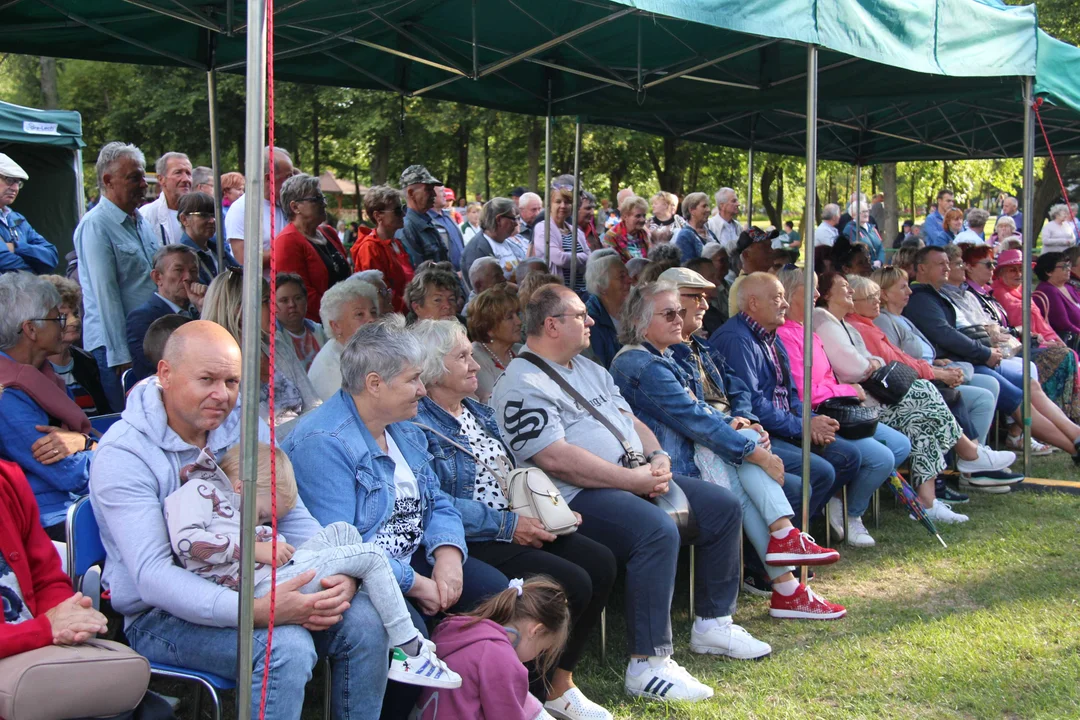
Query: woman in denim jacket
x,y
516,545
705,442
358,461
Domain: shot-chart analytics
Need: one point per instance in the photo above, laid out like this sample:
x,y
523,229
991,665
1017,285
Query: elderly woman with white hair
x,y
346,307
41,428
665,208
307,246
608,283
1059,234
1006,235
866,233
464,439
629,238
498,224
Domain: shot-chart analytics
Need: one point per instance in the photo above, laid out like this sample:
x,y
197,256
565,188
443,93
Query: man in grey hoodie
x,y
174,616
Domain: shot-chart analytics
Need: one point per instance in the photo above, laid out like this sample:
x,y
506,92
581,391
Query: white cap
x,y
10,168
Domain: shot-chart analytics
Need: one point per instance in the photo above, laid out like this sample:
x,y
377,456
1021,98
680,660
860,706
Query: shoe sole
x,y
802,615
989,489
420,681
710,650
953,501
857,544
976,481
558,714
781,559
651,696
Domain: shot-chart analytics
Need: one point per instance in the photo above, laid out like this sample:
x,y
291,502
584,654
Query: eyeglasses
x,y
199,214
696,297
988,263
1063,266
9,181
580,316
61,319
320,198
670,314
515,217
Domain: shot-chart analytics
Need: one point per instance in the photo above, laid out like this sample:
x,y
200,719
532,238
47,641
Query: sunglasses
x,y
320,198
670,314
696,297
199,214
988,263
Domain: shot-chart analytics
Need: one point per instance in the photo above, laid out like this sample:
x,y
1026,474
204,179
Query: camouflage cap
x,y
417,175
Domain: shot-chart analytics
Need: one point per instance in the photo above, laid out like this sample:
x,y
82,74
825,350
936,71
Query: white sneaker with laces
x,y
425,669
986,460
858,536
836,517
729,640
573,705
665,680
942,512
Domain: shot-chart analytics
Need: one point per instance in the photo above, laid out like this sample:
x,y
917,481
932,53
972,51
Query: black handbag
x,y
891,383
856,420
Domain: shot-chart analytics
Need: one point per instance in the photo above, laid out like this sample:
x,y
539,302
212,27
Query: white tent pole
x,y
251,344
750,188
577,203
858,199
215,164
1029,245
547,181
808,290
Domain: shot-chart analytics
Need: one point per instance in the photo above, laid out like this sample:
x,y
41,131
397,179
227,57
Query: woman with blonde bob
x,y
564,238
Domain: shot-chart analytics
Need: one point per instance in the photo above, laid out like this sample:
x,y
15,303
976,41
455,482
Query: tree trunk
x,y
780,197
615,176
533,142
315,136
359,197
380,160
873,181
892,202
464,134
768,175
1047,192
944,173
50,96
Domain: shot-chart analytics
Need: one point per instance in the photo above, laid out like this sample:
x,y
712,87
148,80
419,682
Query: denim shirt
x,y
737,393
659,393
343,476
420,239
456,470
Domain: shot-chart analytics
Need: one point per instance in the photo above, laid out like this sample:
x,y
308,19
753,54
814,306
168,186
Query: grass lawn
x,y
988,628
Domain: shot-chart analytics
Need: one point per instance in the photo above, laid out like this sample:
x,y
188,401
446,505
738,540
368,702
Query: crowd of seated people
x,y
647,363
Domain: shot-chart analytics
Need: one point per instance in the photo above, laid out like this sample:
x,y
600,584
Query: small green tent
x,y
48,145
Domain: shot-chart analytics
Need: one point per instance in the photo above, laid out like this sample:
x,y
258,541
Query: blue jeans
x,y
881,455
980,399
110,381
1010,395
645,540
822,476
357,647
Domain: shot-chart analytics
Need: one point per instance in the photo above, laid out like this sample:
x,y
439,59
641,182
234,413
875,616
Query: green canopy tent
x,y
47,144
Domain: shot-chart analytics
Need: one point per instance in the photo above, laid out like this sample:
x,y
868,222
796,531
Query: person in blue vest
x,y
933,230
22,248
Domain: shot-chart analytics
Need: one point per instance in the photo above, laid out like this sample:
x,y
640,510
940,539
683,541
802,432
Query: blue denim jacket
x,y
457,471
658,391
343,476
718,371
420,239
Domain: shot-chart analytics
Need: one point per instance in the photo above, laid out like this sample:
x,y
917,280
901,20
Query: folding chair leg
x,y
875,502
691,583
328,689
603,635
843,503
198,702
828,525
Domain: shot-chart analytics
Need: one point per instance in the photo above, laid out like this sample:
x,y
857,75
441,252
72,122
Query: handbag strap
x,y
578,398
499,477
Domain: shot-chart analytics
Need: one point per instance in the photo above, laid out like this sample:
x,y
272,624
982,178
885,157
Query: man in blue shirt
x,y
116,247
420,237
1010,208
21,247
447,228
933,230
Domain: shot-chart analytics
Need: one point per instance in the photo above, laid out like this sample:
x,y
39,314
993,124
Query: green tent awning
x,y
59,128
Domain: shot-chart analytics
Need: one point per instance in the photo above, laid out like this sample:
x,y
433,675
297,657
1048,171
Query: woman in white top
x,y
1059,234
345,307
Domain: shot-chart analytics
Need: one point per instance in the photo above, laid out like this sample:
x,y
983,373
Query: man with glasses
x,y
22,247
725,228
498,224
174,178
421,238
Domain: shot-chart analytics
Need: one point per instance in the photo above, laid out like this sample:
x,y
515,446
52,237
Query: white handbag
x,y
529,492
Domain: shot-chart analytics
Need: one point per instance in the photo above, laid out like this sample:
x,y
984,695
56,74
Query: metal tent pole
x,y
750,188
215,164
252,350
808,290
577,202
858,199
547,181
1029,244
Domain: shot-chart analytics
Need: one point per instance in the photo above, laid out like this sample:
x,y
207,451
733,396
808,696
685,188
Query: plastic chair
x,y
84,550
101,423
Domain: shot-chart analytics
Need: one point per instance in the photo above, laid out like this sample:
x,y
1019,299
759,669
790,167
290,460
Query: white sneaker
x,y
425,669
836,517
858,535
665,680
986,460
1016,442
573,705
941,512
730,640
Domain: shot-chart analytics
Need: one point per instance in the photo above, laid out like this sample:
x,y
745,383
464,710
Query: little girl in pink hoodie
x,y
528,621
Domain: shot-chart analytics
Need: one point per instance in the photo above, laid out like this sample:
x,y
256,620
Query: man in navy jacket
x,y
21,246
176,269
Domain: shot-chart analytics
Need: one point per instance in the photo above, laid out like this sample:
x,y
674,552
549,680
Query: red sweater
x,y
878,344
33,557
294,253
370,252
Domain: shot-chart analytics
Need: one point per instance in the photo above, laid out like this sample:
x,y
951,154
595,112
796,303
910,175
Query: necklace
x,y
498,362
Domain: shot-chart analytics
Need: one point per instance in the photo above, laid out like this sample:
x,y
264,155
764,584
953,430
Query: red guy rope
x,y
1035,106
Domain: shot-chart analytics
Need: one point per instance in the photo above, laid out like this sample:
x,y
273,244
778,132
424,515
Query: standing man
x,y
933,230
115,245
420,236
174,177
1010,208
877,213
234,220
826,232
22,247
449,232
723,225
530,205
202,180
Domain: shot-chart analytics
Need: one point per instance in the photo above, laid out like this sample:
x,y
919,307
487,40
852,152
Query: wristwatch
x,y
654,453
89,443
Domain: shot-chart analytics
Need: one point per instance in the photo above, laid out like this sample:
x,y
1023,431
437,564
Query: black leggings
x,y
585,568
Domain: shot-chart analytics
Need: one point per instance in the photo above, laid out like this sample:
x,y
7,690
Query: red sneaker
x,y
798,548
804,604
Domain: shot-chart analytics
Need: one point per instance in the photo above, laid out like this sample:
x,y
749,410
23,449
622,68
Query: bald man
x,y
177,617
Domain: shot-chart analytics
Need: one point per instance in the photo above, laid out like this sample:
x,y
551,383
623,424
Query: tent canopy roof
x,y
60,128
724,71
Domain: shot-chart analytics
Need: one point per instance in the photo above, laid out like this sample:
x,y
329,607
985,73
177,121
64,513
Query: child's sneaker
x,y
425,669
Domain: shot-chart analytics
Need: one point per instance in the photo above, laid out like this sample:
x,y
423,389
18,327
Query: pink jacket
x,y
494,683
878,344
825,383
